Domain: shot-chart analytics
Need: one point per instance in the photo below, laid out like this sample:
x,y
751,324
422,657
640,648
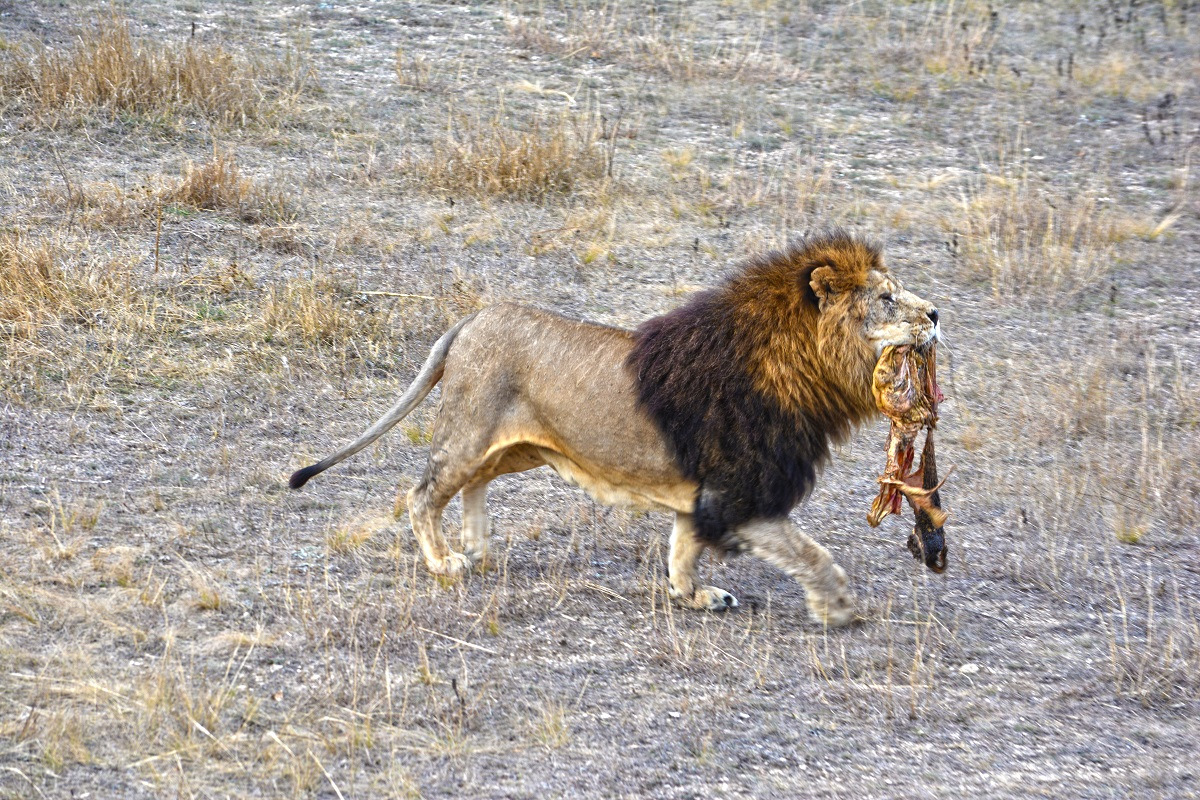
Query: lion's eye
x,y
887,298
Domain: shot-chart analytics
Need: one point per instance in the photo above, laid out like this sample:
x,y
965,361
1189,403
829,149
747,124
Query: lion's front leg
x,y
684,576
830,600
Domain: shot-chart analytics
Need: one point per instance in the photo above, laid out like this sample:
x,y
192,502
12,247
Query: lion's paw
x,y
834,613
707,598
475,554
835,606
452,566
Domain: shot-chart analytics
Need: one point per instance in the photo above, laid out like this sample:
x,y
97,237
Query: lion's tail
x,y
421,386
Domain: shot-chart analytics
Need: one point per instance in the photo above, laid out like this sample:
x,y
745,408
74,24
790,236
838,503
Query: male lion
x,y
721,411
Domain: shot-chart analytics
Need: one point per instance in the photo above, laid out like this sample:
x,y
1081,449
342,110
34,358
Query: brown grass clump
x,y
42,283
318,312
28,281
413,71
103,204
106,68
218,184
547,158
215,184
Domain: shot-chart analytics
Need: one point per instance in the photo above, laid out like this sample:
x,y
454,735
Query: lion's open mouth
x,y
906,391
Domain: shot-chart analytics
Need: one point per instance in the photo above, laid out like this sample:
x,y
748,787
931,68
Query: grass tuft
x,y
44,281
318,311
106,68
552,156
1026,243
218,184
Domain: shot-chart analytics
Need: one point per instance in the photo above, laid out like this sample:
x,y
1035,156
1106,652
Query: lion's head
x,y
858,296
815,319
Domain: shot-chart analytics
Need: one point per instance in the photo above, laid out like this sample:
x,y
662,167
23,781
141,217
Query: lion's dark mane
x,y
694,369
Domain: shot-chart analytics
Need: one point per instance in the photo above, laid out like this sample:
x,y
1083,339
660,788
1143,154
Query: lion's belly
x,y
612,491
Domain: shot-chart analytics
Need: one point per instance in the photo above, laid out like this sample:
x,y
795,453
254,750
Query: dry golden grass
x,y
413,71
667,44
215,184
104,204
351,536
953,43
317,312
550,156
218,184
47,282
552,726
1025,243
31,284
105,67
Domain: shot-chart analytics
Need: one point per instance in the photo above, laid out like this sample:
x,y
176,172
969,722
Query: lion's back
x,y
511,339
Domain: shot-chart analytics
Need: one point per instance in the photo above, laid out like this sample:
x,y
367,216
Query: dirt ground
x,y
231,231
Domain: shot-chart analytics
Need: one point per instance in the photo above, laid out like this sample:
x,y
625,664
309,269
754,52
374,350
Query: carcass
x,y
906,391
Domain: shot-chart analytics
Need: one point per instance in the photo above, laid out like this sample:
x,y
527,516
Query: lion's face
x,y
892,315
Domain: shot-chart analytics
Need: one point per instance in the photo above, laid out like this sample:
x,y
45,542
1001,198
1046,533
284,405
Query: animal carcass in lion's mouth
x,y
906,391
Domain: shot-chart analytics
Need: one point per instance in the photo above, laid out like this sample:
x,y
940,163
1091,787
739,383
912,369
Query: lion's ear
x,y
823,282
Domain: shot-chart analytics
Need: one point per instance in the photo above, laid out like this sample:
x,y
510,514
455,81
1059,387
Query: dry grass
x,y
352,536
552,726
218,184
214,184
319,311
550,156
49,282
106,68
1154,657
1027,242
661,41
413,71
949,45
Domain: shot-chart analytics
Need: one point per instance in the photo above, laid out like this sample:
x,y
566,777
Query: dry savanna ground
x,y
230,232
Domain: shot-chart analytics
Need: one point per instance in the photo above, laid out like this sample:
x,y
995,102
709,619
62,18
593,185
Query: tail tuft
x,y
301,476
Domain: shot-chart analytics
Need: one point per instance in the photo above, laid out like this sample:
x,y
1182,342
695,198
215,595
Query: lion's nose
x,y
933,315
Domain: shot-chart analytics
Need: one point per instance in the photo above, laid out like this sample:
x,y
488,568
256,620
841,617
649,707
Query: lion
x,y
721,411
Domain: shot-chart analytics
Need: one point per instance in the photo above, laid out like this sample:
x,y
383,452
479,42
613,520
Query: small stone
x,y
969,669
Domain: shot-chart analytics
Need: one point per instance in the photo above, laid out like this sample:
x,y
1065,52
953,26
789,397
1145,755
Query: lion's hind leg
x,y
476,526
827,591
450,468
683,576
425,506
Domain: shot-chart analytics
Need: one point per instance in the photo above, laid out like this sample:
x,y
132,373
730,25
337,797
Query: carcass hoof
x,y
933,556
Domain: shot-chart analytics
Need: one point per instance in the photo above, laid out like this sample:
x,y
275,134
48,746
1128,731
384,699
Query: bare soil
x,y
175,622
